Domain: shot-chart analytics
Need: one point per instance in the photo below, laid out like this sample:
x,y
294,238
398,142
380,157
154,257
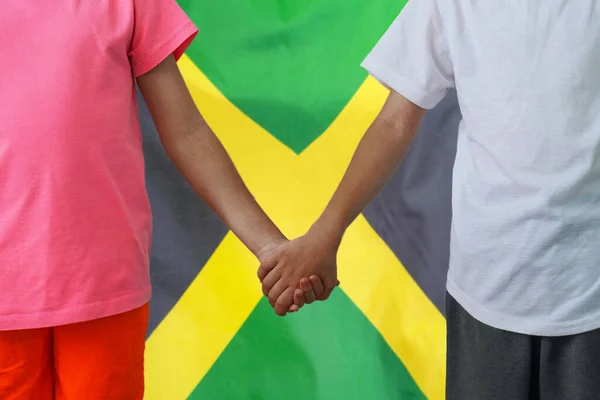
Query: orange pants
x,y
100,359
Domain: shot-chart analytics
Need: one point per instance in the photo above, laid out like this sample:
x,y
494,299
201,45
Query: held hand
x,y
285,264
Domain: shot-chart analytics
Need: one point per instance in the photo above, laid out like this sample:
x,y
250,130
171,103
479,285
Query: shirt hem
x,y
525,326
88,312
401,84
176,45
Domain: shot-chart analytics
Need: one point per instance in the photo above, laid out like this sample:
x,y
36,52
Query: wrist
x,y
268,242
329,229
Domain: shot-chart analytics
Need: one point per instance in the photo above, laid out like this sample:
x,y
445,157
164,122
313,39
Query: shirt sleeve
x,y
413,56
160,28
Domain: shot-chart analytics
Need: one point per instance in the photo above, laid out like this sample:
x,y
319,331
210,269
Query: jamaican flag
x,y
279,81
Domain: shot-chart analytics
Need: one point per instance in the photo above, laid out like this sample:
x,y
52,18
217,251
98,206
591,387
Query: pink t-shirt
x,y
75,221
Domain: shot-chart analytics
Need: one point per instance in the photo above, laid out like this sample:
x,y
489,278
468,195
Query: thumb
x,y
329,288
325,294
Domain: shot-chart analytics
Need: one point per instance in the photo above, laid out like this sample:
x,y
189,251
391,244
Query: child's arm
x,y
201,158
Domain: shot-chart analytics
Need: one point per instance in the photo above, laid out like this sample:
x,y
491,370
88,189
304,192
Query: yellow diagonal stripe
x,y
373,277
193,335
294,190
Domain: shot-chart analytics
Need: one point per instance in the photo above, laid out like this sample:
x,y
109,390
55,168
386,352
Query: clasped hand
x,y
300,271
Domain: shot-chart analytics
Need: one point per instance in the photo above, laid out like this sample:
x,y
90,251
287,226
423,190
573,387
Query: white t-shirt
x,y
525,242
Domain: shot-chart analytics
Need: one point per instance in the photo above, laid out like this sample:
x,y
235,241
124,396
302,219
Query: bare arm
x,y
377,157
314,255
201,158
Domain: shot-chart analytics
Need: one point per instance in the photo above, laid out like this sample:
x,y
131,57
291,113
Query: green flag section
x,y
291,66
312,355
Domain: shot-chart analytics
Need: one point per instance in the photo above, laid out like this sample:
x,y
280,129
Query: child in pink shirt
x,y
75,222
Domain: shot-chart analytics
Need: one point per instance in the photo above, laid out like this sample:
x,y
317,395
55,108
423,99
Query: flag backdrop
x,y
279,81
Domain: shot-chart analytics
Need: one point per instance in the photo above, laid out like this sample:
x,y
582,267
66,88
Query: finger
x,y
270,280
329,288
309,294
317,286
284,301
265,267
293,308
277,291
299,298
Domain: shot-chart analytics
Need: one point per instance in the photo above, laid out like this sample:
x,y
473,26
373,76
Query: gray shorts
x,y
485,363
